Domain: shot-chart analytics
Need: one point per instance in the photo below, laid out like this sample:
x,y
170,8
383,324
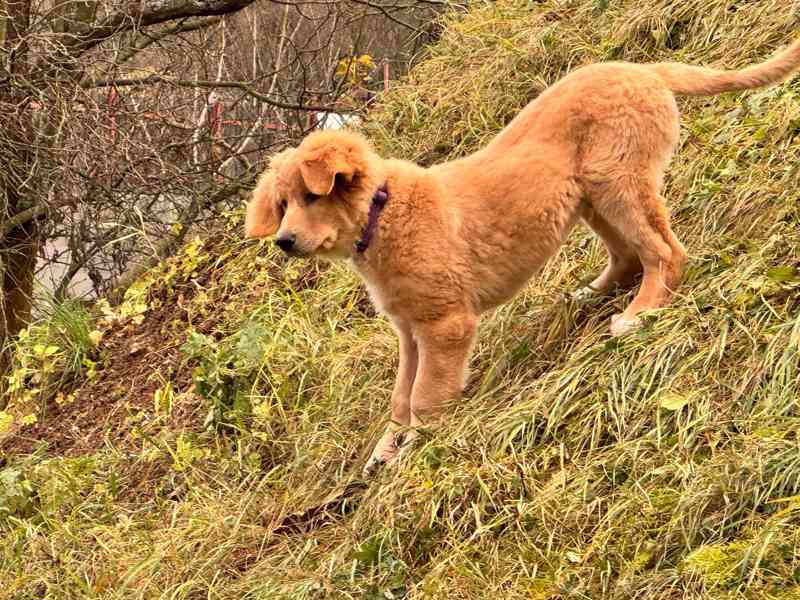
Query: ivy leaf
x,y
250,346
197,344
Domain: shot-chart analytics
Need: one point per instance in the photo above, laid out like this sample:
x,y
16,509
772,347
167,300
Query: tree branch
x,y
147,38
22,217
146,13
191,83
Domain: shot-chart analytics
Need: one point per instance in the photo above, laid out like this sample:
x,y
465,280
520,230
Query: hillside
x,y
206,438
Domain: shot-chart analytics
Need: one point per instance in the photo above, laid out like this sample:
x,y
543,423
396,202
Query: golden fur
x,y
460,238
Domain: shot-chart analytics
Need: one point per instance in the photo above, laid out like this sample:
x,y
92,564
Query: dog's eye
x,y
311,198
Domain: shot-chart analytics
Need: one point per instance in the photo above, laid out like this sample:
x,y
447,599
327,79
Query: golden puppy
x,y
439,246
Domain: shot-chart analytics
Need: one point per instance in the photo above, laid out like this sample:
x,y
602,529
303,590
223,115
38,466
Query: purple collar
x,y
379,200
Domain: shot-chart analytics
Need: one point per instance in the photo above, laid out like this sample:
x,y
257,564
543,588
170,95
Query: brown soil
x,y
136,360
134,356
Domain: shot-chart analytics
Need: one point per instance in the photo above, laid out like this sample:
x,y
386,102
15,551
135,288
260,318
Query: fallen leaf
x,y
673,400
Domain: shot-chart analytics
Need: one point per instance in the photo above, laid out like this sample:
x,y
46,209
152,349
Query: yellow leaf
x,y
5,421
95,337
366,61
672,400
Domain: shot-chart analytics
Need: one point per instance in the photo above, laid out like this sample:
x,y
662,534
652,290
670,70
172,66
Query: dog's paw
x,y
373,465
385,451
389,449
620,325
584,294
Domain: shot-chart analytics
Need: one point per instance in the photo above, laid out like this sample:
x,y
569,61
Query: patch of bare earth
x,y
137,360
134,357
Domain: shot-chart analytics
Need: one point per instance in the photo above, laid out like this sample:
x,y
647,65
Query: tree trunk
x,y
20,245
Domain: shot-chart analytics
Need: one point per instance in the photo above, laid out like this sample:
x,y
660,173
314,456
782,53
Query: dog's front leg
x,y
388,445
444,349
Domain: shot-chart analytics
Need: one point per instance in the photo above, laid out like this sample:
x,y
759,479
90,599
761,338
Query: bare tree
x,y
124,124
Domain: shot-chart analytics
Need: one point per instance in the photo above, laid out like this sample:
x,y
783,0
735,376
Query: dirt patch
x,y
137,360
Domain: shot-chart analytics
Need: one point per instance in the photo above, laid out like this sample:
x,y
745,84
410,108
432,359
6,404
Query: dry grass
x,y
665,464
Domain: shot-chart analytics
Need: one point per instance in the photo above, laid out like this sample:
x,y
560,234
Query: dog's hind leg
x,y
623,262
641,216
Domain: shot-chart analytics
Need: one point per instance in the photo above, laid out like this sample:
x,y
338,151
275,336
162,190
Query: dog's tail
x,y
685,80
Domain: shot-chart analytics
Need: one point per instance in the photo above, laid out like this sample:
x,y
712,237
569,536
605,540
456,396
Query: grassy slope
x,y
659,465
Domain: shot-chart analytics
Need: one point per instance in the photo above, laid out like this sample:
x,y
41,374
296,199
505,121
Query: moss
x,y
664,500
719,564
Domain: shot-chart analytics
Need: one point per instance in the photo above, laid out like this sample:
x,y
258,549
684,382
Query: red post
x,y
385,75
216,118
215,123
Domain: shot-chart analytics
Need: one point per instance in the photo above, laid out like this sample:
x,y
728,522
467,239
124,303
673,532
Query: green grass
x,y
50,353
664,464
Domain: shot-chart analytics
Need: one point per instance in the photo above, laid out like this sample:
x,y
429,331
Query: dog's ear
x,y
320,168
262,218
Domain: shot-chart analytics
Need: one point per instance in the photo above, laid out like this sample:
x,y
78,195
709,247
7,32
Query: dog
x,y
439,246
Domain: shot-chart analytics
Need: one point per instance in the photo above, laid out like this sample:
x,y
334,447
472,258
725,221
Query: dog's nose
x,y
286,242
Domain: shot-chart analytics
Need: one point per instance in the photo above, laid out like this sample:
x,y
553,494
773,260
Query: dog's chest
x,y
385,300
382,305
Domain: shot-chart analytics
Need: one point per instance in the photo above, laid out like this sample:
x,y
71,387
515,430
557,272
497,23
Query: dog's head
x,y
316,197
